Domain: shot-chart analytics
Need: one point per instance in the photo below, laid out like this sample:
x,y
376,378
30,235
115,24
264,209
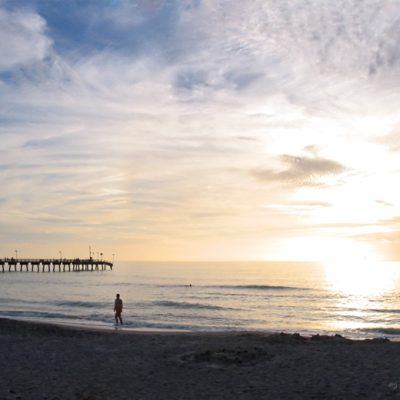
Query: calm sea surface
x,y
356,301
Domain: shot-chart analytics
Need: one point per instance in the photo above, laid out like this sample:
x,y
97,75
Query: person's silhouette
x,y
118,305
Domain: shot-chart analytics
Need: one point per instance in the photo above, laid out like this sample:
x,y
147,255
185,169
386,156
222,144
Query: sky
x,y
200,130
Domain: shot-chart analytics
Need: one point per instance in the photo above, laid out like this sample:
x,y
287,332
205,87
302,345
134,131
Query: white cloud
x,y
23,39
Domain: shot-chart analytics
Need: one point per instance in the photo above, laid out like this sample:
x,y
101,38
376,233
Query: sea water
x,y
309,298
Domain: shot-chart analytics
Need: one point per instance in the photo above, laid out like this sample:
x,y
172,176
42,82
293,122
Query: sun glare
x,y
353,268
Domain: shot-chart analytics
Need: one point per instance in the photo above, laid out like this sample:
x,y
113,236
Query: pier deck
x,y
53,265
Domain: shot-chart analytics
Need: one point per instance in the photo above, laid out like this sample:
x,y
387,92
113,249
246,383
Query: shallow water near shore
x,y
307,298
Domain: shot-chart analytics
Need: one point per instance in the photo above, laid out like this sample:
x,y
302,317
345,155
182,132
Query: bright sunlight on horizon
x,y
197,130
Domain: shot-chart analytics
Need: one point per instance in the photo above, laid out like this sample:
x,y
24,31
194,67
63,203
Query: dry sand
x,y
40,361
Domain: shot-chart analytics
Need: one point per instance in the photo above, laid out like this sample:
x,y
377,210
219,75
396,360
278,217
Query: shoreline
x,y
46,326
126,329
93,328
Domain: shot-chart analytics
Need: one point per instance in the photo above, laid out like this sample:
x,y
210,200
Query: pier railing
x,y
53,265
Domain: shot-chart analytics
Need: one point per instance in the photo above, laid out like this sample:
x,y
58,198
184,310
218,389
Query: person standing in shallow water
x,y
118,305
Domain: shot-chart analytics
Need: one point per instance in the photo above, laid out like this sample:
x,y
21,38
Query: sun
x,y
329,250
350,266
347,252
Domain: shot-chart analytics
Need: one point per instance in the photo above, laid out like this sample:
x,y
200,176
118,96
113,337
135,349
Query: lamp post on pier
x,y
60,252
113,257
16,255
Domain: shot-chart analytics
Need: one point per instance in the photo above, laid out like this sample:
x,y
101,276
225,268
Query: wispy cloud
x,y
142,116
300,170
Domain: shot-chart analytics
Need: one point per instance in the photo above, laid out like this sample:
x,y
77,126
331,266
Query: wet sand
x,y
41,361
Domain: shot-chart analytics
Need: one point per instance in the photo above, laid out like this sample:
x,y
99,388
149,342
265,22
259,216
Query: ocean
x,y
355,301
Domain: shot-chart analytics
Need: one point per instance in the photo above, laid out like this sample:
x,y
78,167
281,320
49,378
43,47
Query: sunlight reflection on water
x,y
347,298
364,292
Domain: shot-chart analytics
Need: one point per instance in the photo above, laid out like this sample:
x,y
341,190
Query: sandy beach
x,y
41,361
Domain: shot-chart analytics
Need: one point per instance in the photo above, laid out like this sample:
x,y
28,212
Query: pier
x,y
53,265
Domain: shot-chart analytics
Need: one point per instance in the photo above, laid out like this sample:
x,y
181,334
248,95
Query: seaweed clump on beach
x,y
225,357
